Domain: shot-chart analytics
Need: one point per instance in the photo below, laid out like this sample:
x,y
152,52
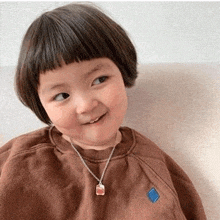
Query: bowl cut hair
x,y
71,33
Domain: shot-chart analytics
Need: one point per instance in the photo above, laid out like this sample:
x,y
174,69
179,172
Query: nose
x,y
85,103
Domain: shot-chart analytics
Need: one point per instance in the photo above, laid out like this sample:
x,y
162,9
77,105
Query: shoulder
x,y
146,149
24,143
156,160
162,168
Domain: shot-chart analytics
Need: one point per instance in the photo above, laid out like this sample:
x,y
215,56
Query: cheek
x,y
61,117
116,98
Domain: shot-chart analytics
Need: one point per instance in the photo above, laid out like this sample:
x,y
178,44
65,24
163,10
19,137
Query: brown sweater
x,y
42,177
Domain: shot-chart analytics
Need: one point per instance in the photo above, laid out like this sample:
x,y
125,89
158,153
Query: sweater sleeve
x,y
190,201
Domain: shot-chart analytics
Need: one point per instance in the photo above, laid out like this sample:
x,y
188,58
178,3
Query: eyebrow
x,y
53,87
96,68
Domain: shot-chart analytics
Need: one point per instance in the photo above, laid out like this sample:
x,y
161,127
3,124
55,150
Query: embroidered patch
x,y
153,195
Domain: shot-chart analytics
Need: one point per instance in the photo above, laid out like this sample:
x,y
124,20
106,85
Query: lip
x,y
93,121
96,120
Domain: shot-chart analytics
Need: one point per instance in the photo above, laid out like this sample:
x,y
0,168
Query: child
x,y
74,65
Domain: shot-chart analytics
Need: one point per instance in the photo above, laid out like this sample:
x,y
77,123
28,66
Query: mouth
x,y
91,122
96,120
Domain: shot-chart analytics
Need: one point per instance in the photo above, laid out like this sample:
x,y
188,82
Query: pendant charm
x,y
100,190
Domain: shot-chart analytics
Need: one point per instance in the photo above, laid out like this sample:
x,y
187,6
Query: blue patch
x,y
153,195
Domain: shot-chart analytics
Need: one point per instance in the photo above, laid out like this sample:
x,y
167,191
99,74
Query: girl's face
x,y
86,101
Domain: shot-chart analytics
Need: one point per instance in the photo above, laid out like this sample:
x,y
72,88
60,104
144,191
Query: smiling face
x,y
86,101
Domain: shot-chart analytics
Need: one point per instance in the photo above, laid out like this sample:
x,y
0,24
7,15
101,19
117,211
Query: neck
x,y
112,143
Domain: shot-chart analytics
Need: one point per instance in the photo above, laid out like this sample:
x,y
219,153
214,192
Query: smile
x,y
91,122
96,120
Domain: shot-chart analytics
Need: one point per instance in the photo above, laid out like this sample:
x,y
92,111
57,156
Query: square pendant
x,y
100,190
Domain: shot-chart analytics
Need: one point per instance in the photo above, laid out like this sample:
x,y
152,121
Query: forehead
x,y
78,69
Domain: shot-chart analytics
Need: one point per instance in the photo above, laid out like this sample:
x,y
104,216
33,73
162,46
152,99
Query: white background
x,y
161,31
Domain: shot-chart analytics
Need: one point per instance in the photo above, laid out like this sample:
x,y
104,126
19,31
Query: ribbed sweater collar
x,y
122,148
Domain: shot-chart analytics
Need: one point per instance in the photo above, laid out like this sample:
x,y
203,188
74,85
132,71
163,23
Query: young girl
x,y
73,68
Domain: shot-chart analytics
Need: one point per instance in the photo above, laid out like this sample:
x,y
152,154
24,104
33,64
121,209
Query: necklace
x,y
100,188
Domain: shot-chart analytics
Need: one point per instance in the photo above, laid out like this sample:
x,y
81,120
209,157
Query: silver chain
x,y
106,165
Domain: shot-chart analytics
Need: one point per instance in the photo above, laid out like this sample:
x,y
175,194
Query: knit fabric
x,y
42,177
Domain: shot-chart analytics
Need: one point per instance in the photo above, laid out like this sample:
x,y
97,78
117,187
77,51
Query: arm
x,y
190,201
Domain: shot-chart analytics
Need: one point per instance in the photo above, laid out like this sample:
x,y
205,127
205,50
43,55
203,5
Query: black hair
x,y
71,33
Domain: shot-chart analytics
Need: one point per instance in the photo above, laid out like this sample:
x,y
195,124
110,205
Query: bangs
x,y
61,36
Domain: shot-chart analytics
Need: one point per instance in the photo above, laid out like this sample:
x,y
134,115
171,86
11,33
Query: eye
x,y
100,80
61,96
